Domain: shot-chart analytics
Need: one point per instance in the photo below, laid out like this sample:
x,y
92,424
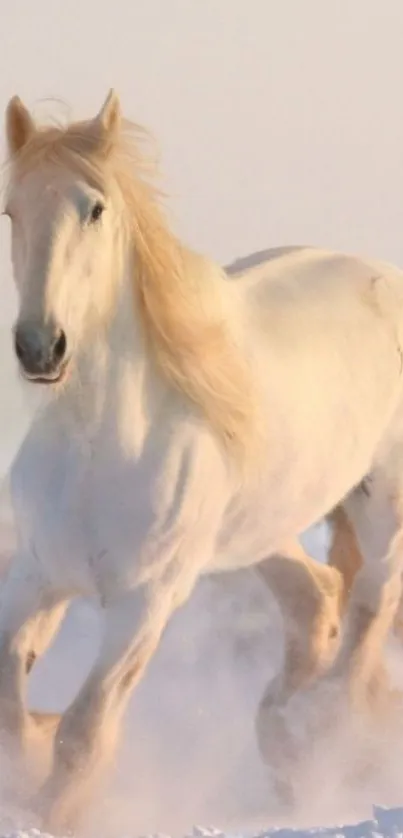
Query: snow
x,y
387,823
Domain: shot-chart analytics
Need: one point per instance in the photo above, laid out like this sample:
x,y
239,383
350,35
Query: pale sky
x,y
279,121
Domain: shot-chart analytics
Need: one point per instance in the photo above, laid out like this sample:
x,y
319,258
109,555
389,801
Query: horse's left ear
x,y
108,121
20,126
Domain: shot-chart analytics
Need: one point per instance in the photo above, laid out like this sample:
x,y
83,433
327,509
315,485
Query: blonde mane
x,y
181,295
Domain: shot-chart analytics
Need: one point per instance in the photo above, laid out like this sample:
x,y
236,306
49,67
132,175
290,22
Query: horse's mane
x,y
182,296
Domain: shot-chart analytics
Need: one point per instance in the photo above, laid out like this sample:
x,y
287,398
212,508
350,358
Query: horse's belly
x,y
250,535
294,496
324,438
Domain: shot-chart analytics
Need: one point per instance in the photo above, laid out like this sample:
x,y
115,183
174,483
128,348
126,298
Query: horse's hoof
x,y
54,812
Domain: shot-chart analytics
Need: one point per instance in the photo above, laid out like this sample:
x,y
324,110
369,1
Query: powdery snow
x,y
387,823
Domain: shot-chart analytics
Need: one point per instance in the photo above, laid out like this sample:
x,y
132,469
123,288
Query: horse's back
x,y
325,333
260,257
324,293
304,264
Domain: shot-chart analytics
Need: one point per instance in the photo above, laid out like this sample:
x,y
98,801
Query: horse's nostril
x,y
40,348
19,349
59,349
21,344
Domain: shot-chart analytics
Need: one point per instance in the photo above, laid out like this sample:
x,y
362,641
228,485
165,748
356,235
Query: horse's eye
x,y
96,212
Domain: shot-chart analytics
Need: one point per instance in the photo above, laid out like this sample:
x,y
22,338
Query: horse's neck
x,y
115,385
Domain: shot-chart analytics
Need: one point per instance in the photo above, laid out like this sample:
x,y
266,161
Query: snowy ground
x,y
387,823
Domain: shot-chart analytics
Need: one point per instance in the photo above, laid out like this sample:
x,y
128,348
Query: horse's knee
x,y
30,660
334,632
129,678
46,722
309,654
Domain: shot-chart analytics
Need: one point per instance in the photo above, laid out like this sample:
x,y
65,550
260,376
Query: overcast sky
x,y
279,121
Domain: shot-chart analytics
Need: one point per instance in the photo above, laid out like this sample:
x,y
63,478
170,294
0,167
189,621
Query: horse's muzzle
x,y
41,350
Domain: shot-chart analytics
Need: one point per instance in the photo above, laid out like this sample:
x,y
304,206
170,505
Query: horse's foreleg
x,y
44,629
46,625
26,604
86,738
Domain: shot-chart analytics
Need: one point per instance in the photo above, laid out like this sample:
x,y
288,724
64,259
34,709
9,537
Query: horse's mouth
x,y
55,377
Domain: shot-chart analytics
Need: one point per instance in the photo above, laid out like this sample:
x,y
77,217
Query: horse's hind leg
x,y
313,598
309,596
305,656
344,552
376,516
345,556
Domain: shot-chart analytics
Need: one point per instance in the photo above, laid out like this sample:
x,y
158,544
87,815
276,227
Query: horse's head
x,y
66,216
85,213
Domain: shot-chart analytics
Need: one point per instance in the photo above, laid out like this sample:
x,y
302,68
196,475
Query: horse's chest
x,y
83,513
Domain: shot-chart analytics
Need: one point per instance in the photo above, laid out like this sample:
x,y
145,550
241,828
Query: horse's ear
x,y
107,122
110,114
20,126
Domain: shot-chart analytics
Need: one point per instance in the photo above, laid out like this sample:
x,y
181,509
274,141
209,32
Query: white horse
x,y
193,423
